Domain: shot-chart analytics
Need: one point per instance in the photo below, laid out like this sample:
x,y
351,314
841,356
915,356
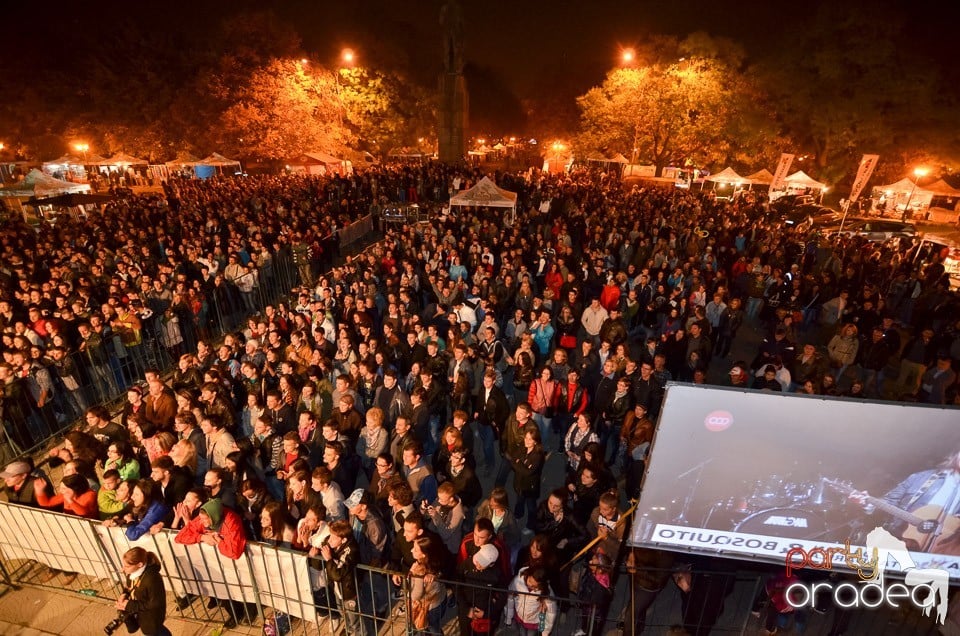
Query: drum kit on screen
x,y
777,506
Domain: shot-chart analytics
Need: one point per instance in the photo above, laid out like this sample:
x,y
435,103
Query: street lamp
x,y
81,147
347,58
557,149
627,57
918,173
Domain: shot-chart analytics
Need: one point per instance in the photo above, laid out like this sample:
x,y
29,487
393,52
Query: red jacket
x,y
83,506
232,537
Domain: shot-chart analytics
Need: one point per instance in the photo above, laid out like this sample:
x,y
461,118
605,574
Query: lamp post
x,y
82,148
347,59
918,173
557,149
627,57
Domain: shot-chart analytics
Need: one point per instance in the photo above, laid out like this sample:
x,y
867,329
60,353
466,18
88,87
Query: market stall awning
x,y
941,188
486,193
312,158
123,159
761,177
727,175
801,179
184,159
40,185
74,160
903,185
217,160
619,158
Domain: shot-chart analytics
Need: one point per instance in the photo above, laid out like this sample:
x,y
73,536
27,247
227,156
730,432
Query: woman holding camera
x,y
144,601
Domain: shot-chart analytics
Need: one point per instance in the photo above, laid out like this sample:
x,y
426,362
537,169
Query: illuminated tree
x,y
660,113
384,111
283,109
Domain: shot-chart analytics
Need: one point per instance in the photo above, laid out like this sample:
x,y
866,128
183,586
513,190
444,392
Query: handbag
x,y
419,614
568,341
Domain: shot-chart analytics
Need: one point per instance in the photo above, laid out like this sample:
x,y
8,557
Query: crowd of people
x,y
402,410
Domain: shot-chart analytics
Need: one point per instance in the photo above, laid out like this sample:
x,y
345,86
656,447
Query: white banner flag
x,y
782,169
867,164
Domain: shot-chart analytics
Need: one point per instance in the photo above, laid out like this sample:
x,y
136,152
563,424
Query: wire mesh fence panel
x,y
49,549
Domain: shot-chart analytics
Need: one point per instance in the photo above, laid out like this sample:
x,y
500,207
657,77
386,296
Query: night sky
x,y
516,50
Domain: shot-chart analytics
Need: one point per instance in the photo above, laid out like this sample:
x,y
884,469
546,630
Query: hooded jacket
x,y
223,522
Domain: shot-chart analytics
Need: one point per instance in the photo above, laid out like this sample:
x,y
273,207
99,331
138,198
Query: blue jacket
x,y
156,513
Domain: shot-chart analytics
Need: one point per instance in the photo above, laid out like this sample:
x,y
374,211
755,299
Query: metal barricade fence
x,y
266,583
355,231
102,373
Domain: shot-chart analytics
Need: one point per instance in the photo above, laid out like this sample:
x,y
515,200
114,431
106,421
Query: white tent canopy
x,y
318,163
123,159
73,160
903,185
183,159
801,179
727,175
941,188
40,185
485,193
217,160
761,177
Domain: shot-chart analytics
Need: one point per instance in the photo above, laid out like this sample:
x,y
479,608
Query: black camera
x,y
131,621
114,625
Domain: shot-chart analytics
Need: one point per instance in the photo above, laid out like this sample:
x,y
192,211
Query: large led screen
x,y
753,475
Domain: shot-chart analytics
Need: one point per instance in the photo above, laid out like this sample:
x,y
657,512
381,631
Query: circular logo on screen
x,y
717,421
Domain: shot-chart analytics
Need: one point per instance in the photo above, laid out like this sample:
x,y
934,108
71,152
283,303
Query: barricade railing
x,y
102,372
356,231
263,583
41,547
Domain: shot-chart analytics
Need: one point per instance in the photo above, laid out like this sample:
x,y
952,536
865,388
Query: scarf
x,y
305,431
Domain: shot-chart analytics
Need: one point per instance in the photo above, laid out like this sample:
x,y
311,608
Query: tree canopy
x,y
698,108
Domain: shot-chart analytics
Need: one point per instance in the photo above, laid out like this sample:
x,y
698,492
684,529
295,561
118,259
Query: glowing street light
x,y
558,148
918,173
304,61
627,56
82,147
348,56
